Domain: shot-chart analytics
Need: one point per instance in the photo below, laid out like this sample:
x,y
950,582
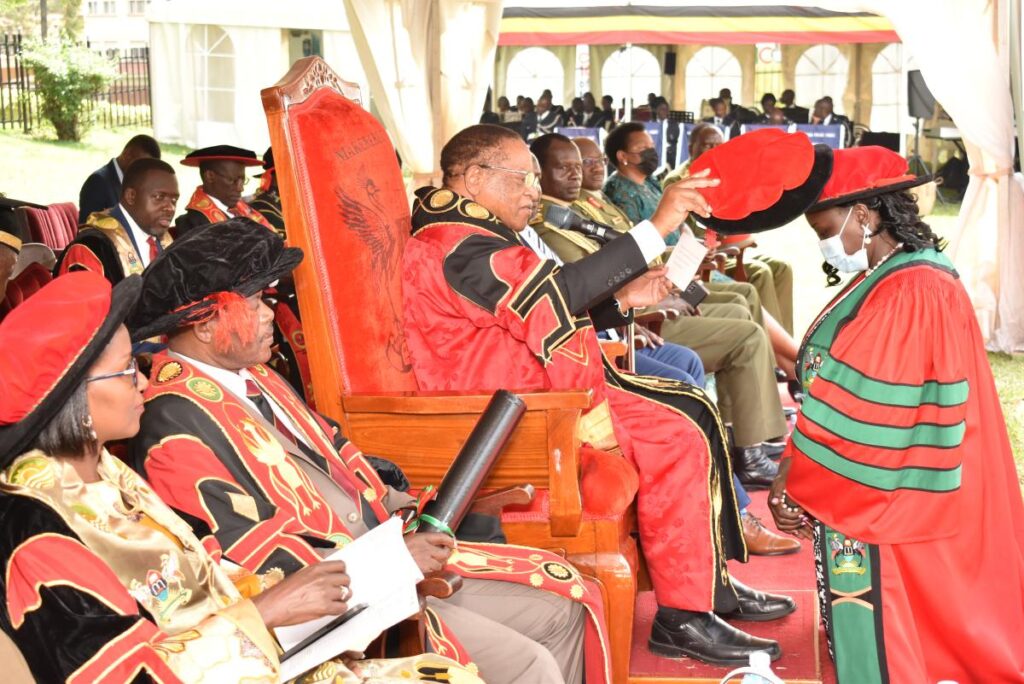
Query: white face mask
x,y
835,254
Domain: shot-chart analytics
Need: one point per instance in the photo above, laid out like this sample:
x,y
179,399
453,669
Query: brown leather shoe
x,y
763,542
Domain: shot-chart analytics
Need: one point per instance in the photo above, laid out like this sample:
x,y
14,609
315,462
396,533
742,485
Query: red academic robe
x,y
484,312
210,456
902,452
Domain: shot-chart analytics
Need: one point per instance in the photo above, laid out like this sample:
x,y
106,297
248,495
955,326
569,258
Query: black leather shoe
x,y
753,467
773,450
705,637
758,606
796,390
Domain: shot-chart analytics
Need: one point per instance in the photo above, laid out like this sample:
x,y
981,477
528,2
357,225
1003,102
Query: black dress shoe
x,y
780,375
705,637
773,450
754,469
758,606
796,390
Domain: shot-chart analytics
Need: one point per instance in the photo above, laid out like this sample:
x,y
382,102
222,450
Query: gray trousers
x,y
516,633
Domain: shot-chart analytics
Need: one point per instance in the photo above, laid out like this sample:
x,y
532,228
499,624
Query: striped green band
x,y
879,392
883,436
887,479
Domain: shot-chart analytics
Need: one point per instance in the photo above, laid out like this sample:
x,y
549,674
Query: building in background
x,y
210,60
115,24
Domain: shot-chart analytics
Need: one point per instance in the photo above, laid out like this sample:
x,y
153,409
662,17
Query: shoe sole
x,y
757,617
787,552
676,652
751,487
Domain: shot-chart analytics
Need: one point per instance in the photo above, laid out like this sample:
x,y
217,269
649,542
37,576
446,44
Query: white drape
x,y
961,48
429,63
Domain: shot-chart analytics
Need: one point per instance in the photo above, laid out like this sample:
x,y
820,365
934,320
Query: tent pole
x,y
628,106
1016,81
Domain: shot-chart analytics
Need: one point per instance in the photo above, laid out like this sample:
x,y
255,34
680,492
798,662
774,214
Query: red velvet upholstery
x,y
55,226
28,282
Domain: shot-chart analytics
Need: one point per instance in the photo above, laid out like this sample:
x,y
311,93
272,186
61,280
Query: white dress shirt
x,y
140,236
220,205
117,168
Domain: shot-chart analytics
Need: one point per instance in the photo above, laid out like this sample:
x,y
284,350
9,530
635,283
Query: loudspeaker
x,y
670,63
920,100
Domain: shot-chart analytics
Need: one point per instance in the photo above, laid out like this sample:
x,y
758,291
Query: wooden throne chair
x,y
345,205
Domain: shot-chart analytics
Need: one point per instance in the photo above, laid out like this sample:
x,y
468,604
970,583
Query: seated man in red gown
x,y
483,311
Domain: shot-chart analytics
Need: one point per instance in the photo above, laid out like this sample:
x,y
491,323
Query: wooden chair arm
x,y
423,433
495,502
439,585
613,349
650,317
426,403
730,250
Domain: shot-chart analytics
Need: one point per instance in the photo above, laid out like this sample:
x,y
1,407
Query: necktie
x,y
256,396
153,251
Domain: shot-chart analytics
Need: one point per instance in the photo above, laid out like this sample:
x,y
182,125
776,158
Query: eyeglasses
x,y
240,181
530,178
596,161
132,370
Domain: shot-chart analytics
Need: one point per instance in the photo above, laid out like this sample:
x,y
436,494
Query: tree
x,y
67,76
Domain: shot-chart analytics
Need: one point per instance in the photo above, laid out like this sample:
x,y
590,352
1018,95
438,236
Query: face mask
x,y
648,163
835,254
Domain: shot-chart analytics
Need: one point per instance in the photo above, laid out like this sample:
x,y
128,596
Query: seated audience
x,y
232,447
102,581
505,111
125,238
824,115
102,189
222,171
792,112
528,118
610,119
661,115
575,116
549,117
469,278
562,178
592,116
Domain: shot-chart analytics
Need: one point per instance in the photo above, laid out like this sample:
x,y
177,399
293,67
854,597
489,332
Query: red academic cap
x,y
768,178
862,172
47,345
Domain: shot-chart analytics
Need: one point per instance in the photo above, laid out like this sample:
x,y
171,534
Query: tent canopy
x,y
706,25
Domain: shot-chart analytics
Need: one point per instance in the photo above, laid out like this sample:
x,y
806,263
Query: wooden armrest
x,y
647,317
729,250
614,349
459,402
439,584
495,502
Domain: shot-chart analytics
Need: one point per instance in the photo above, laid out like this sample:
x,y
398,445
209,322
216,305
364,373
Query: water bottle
x,y
759,671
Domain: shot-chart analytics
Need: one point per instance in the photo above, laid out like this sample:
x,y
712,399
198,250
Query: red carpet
x,y
804,651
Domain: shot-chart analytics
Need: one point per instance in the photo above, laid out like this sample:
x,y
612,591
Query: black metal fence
x,y
124,103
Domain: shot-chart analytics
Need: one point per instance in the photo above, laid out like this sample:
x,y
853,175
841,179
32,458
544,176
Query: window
x,y
708,71
820,71
533,70
888,90
109,7
632,68
213,64
137,7
303,43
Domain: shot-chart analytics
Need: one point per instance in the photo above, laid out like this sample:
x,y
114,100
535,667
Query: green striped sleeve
x,y
882,436
943,394
888,479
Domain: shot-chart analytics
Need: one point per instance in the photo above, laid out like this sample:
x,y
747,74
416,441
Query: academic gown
x,y
226,471
901,453
484,312
201,210
105,245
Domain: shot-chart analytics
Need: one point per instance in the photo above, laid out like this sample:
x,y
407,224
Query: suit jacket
x,y
105,245
101,190
844,121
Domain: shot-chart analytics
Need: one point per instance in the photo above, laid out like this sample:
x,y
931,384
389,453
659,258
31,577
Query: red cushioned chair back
x,y
28,282
63,224
38,224
345,205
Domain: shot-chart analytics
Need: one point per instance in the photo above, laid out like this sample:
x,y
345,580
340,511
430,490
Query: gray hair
x,y
67,434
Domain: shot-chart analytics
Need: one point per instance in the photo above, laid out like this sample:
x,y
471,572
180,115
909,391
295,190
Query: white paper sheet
x,y
383,576
686,258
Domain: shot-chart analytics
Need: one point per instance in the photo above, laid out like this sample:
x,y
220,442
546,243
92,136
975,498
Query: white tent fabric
x,y
429,63
962,49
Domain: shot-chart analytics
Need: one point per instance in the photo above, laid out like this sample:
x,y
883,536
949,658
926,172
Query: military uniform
x,y
729,342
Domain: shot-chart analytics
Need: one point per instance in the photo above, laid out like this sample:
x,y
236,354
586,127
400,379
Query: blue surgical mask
x,y
835,253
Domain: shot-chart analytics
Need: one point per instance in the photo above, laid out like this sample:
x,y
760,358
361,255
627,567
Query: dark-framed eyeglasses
x,y
240,181
131,371
591,162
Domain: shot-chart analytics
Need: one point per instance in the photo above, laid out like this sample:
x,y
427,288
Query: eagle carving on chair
x,y
365,216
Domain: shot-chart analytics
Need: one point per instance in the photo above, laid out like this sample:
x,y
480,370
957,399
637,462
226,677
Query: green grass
x,y
46,171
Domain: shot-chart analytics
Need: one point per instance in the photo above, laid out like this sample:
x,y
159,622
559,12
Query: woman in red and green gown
x,y
900,467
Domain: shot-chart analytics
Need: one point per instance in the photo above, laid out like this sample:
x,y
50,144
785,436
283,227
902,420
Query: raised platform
x,y
804,651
